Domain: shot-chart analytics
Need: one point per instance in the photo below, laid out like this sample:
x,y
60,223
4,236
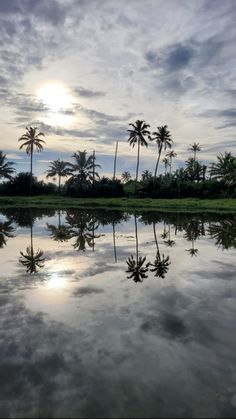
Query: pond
x,y
110,314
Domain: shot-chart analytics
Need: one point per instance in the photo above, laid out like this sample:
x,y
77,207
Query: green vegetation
x,y
128,204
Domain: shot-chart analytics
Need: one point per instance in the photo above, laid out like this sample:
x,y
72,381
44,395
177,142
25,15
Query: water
x,y
91,334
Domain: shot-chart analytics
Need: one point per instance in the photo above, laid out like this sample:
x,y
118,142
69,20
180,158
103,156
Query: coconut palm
x,y
84,167
171,154
61,169
32,260
6,169
146,174
32,141
163,139
125,177
137,136
195,147
224,169
161,264
6,230
136,267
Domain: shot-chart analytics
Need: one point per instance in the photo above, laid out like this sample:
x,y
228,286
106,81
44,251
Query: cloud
x,y
82,92
179,57
84,291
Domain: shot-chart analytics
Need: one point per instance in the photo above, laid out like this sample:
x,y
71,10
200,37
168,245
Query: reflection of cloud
x,y
84,291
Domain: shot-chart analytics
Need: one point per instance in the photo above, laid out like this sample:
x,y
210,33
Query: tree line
x,y
195,178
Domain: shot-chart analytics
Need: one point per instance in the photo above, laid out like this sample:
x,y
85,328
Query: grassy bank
x,y
171,205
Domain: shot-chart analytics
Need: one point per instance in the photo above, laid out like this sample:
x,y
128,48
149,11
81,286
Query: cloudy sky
x,y
83,70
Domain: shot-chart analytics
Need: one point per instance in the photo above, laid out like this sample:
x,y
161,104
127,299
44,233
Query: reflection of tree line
x,y
82,226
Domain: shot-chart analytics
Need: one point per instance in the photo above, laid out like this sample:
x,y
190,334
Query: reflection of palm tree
x,y
31,259
224,233
169,242
83,225
193,231
136,268
60,233
161,264
5,232
114,240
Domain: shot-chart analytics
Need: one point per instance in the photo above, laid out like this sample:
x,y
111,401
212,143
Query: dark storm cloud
x,y
82,92
228,115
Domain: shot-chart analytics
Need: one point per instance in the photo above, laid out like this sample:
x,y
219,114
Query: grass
x,y
125,204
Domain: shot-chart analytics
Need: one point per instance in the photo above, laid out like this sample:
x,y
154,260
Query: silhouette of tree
x,y
224,169
195,147
61,169
146,174
6,230
161,264
193,230
32,141
137,136
166,163
171,154
169,242
163,139
136,268
125,177
6,169
84,168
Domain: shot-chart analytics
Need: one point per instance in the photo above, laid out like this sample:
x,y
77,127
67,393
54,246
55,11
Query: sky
x,y
81,71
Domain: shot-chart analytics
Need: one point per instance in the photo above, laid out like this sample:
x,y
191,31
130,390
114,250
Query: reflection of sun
x,y
56,281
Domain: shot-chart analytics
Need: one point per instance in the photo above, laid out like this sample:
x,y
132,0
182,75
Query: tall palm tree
x,y
195,147
224,169
32,141
163,139
171,154
161,264
137,136
32,260
84,167
61,169
6,169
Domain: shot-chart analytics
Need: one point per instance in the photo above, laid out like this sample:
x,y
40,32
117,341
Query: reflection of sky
x,y
80,339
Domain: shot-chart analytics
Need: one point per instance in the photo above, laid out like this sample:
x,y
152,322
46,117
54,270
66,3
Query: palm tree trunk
x,y
114,175
158,159
137,161
31,167
59,184
170,164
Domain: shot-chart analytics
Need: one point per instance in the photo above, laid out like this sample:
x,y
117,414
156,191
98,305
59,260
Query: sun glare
x,y
55,96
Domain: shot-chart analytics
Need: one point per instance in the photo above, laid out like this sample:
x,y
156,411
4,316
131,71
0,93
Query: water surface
x,y
108,314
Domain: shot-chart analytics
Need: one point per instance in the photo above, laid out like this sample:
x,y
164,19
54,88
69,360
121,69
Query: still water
x,y
109,314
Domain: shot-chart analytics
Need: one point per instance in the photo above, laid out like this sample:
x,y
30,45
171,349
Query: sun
x,y
54,96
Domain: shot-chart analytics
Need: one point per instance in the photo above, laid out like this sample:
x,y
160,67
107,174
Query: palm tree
x,y
6,171
171,154
125,177
136,268
163,139
161,264
195,147
166,163
32,260
32,141
146,174
137,136
224,169
6,230
61,169
85,167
